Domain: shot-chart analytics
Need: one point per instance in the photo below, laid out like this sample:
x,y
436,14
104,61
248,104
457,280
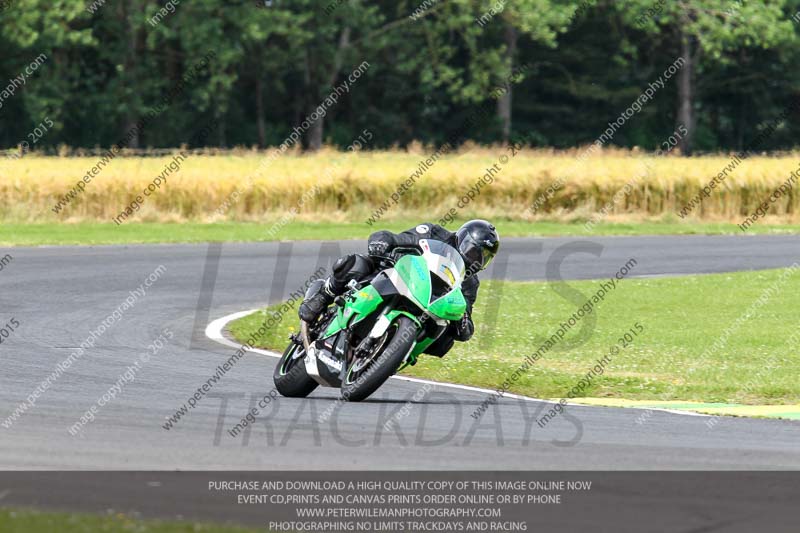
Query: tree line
x,y
431,64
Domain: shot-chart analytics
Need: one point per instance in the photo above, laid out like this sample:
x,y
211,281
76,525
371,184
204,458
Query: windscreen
x,y
444,260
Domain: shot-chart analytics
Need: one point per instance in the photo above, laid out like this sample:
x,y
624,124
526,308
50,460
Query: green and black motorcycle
x,y
378,326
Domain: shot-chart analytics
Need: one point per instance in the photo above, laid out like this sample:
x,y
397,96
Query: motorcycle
x,y
378,326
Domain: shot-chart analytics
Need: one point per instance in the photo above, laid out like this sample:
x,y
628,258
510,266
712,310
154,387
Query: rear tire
x,y
359,384
290,375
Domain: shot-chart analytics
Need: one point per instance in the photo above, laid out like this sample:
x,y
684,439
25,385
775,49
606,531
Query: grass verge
x,y
746,361
34,521
90,233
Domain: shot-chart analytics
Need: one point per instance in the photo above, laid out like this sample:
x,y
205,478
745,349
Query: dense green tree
x,y
706,32
432,63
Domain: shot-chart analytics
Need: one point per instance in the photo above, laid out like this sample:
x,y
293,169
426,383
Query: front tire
x,y
290,375
364,377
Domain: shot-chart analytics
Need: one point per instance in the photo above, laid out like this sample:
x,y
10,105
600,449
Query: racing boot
x,y
316,303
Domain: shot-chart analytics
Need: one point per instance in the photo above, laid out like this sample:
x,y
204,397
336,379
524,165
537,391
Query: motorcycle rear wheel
x,y
290,376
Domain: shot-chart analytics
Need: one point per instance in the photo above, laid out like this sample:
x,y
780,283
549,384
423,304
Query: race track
x,y
59,294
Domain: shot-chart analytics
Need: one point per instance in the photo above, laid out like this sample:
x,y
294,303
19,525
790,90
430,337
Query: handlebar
x,y
390,259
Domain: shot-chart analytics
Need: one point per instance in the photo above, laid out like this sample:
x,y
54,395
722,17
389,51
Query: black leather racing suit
x,y
358,266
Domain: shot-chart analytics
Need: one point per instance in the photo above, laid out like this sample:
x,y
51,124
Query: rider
x,y
477,240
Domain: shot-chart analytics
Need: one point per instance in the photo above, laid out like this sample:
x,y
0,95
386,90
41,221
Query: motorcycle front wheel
x,y
366,374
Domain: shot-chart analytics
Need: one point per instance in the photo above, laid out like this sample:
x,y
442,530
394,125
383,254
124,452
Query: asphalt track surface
x,y
59,294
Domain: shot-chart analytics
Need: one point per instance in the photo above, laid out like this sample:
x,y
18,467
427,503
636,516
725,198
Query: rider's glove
x,y
464,329
377,248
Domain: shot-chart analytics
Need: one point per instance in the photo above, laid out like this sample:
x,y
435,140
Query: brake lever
x,y
385,261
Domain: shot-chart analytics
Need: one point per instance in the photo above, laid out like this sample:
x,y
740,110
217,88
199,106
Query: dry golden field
x,y
334,185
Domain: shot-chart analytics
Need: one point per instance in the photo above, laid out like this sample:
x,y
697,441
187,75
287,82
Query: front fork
x,y
382,325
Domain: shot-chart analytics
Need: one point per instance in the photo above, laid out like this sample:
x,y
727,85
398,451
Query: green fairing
x,y
394,313
414,271
366,301
452,306
421,346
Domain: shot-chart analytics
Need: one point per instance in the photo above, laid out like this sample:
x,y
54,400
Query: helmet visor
x,y
478,255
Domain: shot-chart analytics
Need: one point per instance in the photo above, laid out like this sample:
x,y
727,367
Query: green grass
x,y
34,234
681,318
32,521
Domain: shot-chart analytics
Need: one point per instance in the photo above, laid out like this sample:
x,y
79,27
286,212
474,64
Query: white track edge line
x,y
214,332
